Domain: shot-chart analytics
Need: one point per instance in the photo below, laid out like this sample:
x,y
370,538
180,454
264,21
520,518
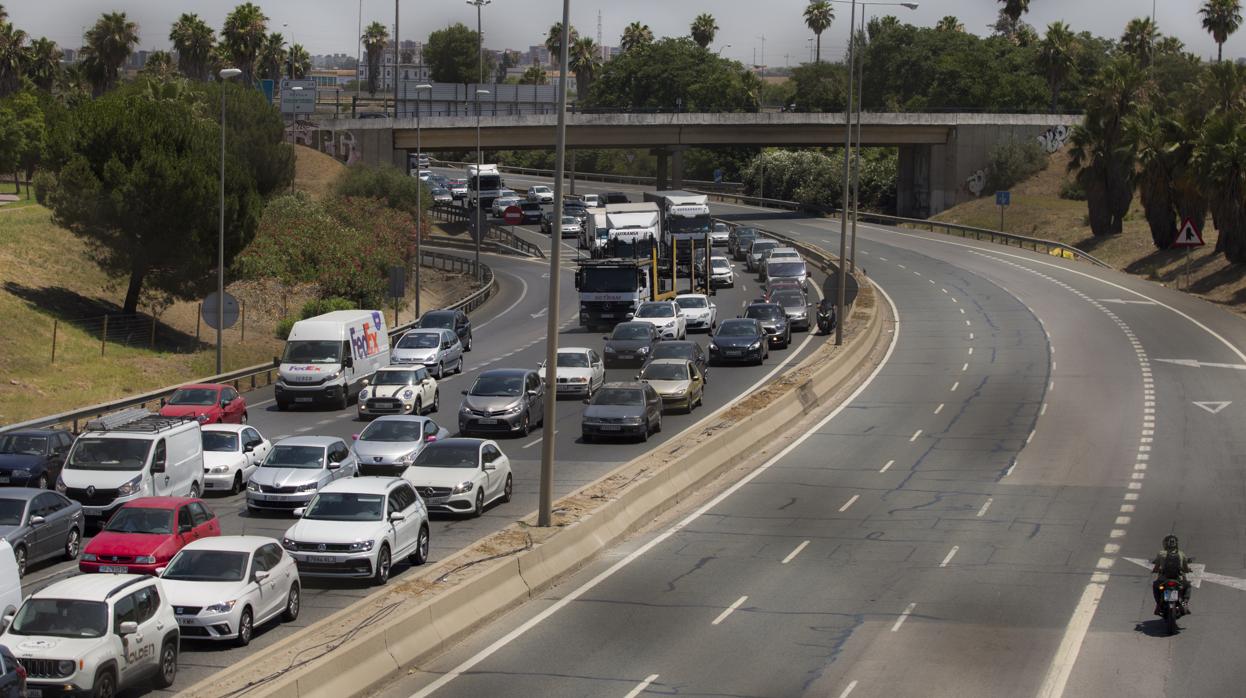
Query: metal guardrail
x,y
252,377
726,187
504,239
1051,247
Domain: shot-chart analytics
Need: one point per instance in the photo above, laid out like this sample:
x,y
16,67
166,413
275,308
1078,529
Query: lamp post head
x,y
482,92
910,5
424,86
228,73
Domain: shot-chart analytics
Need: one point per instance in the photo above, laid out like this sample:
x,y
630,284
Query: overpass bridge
x,y
941,156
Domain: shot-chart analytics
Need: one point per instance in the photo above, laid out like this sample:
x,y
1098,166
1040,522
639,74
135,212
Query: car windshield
x,y
627,331
108,454
393,430
193,396
570,360
692,302
448,456
655,310
785,268
763,312
720,227
208,566
665,372
498,386
762,245
673,350
22,444
309,457
607,279
788,299
11,511
720,264
440,192
619,396
745,234
570,220
346,506
61,618
420,340
220,441
732,328
312,352
395,378
141,520
437,321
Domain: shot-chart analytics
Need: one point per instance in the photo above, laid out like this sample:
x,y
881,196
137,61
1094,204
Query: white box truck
x,y
327,357
634,229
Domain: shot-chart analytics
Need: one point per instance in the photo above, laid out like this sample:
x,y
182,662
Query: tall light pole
x,y
480,216
358,54
225,74
723,48
397,64
842,293
419,190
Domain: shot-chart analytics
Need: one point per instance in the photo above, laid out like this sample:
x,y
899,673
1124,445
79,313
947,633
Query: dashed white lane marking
x,y
967,324
915,435
535,441
794,553
971,335
1030,438
950,554
888,465
956,301
955,386
987,505
902,266
640,687
917,273
882,259
904,616
939,408
943,289
971,351
848,689
730,609
962,310
965,367
849,503
1043,410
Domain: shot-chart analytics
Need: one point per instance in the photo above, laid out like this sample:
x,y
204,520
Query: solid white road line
x,y
939,408
849,503
1071,644
535,441
965,367
915,435
576,593
982,511
904,616
955,386
950,554
730,609
848,689
794,553
523,291
888,465
640,687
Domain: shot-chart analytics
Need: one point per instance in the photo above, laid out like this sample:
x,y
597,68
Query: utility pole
x,y
397,62
843,225
358,57
480,57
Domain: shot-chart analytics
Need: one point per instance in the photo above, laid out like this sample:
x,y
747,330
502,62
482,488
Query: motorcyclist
x,y
827,309
1171,563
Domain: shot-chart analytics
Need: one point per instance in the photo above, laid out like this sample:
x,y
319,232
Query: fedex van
x,y
328,357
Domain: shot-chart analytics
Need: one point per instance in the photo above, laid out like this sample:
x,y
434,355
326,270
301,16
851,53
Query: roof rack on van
x,y
135,420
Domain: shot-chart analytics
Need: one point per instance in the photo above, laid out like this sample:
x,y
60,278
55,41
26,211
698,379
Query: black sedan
x,y
739,240
773,321
33,457
532,211
683,349
622,409
630,343
739,340
40,525
456,320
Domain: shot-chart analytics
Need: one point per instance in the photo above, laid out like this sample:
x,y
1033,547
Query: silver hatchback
x,y
438,350
296,469
389,444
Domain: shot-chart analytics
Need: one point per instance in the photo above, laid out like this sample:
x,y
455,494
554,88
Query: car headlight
x,y
252,487
220,468
409,458
713,346
288,543
465,486
643,350
88,557
363,394
632,420
22,474
362,545
408,394
577,379
222,607
514,409
609,350
65,667
203,418
309,487
145,559
464,409
132,487
754,346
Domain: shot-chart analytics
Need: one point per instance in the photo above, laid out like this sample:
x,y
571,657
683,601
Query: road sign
x,y
1188,236
397,282
209,311
718,175
1003,198
513,215
266,86
298,101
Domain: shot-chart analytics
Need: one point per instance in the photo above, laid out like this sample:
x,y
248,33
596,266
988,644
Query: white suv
x,y
98,634
358,527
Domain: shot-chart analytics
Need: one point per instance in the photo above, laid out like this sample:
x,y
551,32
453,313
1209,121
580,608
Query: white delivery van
x,y
328,357
132,454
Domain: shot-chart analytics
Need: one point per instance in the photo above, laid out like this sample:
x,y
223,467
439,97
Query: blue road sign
x,y
718,175
266,86
1003,198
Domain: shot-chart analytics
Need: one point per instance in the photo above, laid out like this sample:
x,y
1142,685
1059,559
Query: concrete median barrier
x,y
413,620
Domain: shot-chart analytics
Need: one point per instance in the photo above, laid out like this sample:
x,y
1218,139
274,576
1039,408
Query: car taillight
x,y
21,672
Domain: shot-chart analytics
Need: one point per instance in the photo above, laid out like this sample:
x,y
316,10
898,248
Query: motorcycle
x,y
826,319
1172,607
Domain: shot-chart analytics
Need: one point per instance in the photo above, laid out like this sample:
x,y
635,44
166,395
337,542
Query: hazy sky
x,y
329,26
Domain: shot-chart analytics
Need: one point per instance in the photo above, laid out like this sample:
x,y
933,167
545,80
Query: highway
x,y
966,525
509,331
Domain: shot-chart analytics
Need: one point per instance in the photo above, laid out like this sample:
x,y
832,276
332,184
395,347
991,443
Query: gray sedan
x,y
622,410
391,443
40,525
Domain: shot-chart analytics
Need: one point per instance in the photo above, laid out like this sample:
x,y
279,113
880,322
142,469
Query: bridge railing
x,y
503,239
726,187
259,376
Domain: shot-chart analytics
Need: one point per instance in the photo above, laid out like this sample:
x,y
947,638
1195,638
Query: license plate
x,y
1170,595
607,314
302,399
114,569
34,693
438,500
734,352
4,480
325,559
487,421
185,621
610,427
625,356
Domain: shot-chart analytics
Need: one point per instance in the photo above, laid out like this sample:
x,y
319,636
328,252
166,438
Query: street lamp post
x,y
842,291
397,62
419,190
723,48
479,200
225,74
358,55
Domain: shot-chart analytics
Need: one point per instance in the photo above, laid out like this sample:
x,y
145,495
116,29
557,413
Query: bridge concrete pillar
x,y
677,167
662,173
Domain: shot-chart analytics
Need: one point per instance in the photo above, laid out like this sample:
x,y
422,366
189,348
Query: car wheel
x,y
458,368
194,490
168,666
19,554
73,544
508,489
420,556
293,604
468,346
658,427
246,626
419,407
42,483
237,486
344,401
105,685
527,426
480,503
381,575
282,405
436,401
441,370
244,418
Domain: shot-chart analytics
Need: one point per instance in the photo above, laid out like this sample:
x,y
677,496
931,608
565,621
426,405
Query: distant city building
x,y
331,78
538,55
412,67
138,59
69,55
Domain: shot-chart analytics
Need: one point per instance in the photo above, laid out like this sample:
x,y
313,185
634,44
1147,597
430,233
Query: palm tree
x,y
1013,9
1219,159
1221,18
374,38
553,44
1139,40
534,75
193,40
270,62
703,29
636,34
1100,157
818,17
43,63
300,61
1150,134
13,57
160,65
243,36
1169,45
1057,56
583,59
950,24
110,42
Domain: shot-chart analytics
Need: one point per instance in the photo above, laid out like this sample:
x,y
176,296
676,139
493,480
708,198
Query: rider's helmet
x,y
1170,542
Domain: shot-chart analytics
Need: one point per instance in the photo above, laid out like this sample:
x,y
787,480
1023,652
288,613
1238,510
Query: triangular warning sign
x,y
1188,236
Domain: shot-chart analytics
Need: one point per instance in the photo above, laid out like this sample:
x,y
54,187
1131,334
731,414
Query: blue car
x,y
33,457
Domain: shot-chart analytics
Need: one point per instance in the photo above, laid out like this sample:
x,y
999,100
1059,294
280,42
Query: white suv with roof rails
x,y
97,634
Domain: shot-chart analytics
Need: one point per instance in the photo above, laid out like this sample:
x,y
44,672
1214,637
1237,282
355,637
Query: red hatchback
x,y
146,533
210,403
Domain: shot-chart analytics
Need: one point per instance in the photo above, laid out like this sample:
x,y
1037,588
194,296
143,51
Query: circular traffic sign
x,y
210,310
513,215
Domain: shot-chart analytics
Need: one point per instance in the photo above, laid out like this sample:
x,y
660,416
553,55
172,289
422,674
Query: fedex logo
x,y
367,342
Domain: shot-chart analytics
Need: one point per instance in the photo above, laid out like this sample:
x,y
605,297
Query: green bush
x,y
1012,162
393,186
284,327
320,306
44,182
1072,190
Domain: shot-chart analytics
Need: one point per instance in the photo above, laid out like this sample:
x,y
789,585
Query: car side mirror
x,y
431,438
276,362
334,465
490,466
127,628
349,362
354,437
8,619
224,404
587,401
606,337
160,571
37,520
629,316
248,448
261,575
397,516
298,513
185,528
462,392
365,382
157,467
